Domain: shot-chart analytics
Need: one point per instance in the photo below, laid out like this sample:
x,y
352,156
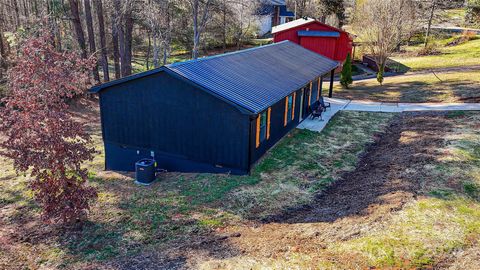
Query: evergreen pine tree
x,y
346,75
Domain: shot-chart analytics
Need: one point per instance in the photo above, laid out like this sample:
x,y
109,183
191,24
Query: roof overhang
x,y
100,87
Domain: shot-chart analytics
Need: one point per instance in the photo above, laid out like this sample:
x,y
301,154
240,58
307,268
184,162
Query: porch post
x,y
321,85
330,91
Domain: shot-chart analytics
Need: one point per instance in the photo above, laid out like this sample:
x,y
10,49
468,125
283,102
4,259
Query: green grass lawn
x,y
454,16
439,225
179,208
455,56
452,87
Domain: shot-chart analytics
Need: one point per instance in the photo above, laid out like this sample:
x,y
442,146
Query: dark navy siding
x,y
122,158
186,128
277,128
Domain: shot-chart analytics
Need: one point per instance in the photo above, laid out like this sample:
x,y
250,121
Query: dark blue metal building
x,y
215,114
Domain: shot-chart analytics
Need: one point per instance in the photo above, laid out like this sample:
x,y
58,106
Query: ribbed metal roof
x,y
304,33
259,77
292,24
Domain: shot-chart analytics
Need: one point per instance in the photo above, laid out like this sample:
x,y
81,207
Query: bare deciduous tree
x,y
123,32
200,15
91,37
157,18
242,19
334,10
103,40
380,26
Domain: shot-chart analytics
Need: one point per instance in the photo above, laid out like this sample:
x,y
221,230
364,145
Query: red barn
x,y
321,38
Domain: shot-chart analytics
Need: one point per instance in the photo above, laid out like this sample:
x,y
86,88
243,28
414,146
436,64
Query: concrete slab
x,y
317,124
363,107
366,103
369,106
337,101
390,107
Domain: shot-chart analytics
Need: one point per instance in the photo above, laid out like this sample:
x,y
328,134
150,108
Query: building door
x,y
305,106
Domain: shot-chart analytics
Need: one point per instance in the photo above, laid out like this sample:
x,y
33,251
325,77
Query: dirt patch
x,y
385,178
389,175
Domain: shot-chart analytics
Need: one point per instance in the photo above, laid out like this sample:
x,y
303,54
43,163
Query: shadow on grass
x,y
152,227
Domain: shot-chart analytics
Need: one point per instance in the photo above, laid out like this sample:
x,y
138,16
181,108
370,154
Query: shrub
x,y
381,70
431,49
472,15
38,132
346,76
463,38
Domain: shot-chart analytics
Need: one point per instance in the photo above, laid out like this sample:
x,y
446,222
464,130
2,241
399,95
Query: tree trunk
x,y
156,51
432,12
224,32
91,37
196,34
2,49
78,27
57,34
35,7
2,53
25,10
198,26
165,53
17,14
127,53
115,41
147,58
168,37
103,40
125,60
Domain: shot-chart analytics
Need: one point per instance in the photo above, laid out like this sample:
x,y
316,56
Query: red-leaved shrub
x,y
37,131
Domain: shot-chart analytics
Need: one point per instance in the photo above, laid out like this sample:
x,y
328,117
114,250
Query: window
x,y
289,108
263,127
